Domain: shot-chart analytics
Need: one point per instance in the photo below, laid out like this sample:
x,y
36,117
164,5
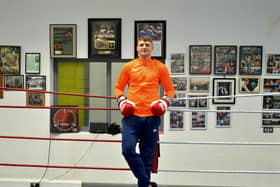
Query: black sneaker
x,y
153,184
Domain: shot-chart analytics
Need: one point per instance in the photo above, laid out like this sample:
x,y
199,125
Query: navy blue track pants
x,y
145,131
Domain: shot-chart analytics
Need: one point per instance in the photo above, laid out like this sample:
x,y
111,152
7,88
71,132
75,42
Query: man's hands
x,y
159,107
126,107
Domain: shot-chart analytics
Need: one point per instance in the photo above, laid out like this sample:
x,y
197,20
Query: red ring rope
x,y
61,93
58,107
57,166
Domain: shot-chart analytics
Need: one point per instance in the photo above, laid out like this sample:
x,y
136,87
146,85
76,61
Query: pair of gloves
x,y
158,107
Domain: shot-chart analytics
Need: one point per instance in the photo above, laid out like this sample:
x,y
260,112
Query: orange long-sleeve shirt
x,y
143,78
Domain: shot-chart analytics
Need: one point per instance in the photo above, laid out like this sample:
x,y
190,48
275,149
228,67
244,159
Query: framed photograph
x,y
14,81
198,120
225,60
249,85
271,102
35,99
223,118
1,84
224,87
199,85
64,120
104,38
36,82
271,85
32,63
250,60
10,59
273,64
179,83
156,29
176,120
177,63
197,101
63,40
200,59
177,102
271,120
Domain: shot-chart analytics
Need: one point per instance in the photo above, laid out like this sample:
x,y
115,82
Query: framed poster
x,y
63,40
64,120
176,120
223,118
177,63
271,102
1,84
273,64
104,38
199,85
32,63
10,59
35,99
271,120
271,85
179,83
250,60
156,29
198,120
224,87
200,59
177,102
249,85
225,60
197,101
14,81
36,82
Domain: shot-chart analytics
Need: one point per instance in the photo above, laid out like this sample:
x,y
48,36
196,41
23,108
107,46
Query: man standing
x,y
142,108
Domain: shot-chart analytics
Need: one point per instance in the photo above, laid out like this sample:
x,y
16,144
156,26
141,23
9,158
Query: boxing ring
x,y
170,145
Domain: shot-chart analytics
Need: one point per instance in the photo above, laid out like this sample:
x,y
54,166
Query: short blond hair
x,y
145,39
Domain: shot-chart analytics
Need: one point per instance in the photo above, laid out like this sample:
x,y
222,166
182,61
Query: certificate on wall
x,y
32,63
63,40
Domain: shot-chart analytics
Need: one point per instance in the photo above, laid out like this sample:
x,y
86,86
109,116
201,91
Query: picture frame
x,y
14,81
104,38
198,120
156,29
179,83
178,103
1,84
223,118
200,59
36,82
35,99
250,60
32,63
199,84
271,102
249,85
224,87
177,120
63,40
273,64
225,59
271,120
177,63
10,59
271,85
64,120
197,103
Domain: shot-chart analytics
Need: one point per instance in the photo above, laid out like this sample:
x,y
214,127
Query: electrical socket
x,y
35,185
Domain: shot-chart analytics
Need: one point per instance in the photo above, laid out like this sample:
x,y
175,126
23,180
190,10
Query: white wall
x,y
215,22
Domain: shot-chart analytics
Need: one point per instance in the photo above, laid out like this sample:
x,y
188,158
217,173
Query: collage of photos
x,y
193,83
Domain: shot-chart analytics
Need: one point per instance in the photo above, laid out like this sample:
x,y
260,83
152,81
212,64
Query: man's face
x,y
144,49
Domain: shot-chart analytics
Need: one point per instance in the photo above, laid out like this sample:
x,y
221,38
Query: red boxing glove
x,y
126,107
159,107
